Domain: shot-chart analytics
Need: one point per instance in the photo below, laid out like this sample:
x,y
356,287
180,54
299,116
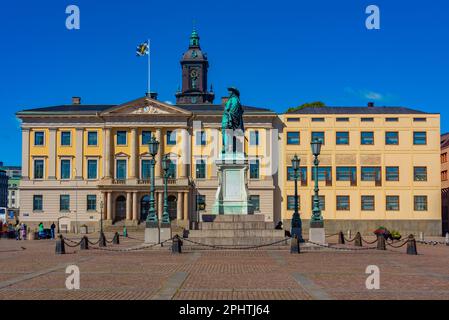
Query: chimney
x,y
152,95
224,100
370,104
76,100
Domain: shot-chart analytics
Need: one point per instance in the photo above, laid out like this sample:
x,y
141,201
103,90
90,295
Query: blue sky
x,y
278,53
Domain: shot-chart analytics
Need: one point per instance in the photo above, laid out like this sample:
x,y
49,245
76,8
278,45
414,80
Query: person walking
x,y
53,227
18,231
41,230
24,231
125,232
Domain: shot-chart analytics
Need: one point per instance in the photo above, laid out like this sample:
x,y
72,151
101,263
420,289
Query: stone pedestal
x,y
317,235
165,233
232,196
152,235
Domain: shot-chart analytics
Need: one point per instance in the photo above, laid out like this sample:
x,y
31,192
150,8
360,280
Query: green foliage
x,y
316,104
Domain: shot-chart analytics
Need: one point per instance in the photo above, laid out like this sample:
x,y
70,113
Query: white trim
x,y
60,168
97,159
141,166
60,140
34,167
34,139
116,167
89,131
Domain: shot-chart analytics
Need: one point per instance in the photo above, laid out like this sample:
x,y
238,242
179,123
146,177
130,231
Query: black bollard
x,y
102,242
381,242
411,245
60,246
341,238
358,240
116,239
294,245
176,245
84,245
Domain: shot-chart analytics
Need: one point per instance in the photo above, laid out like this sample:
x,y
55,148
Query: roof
x,y
85,108
357,110
445,141
207,108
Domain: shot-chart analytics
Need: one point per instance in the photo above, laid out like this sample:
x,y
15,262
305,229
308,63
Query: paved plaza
x,y
32,270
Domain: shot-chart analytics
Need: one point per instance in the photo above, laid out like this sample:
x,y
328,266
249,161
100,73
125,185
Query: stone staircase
x,y
236,231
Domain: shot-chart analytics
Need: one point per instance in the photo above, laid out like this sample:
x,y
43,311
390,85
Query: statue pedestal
x,y
165,233
317,233
232,194
152,235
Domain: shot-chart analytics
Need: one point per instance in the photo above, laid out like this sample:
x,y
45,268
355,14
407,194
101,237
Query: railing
x,y
144,181
171,181
119,181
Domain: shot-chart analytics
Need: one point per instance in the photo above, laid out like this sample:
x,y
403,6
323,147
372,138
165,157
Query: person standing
x,y
41,230
18,231
53,227
24,232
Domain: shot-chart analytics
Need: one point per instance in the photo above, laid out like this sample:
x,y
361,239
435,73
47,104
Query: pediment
x,y
145,106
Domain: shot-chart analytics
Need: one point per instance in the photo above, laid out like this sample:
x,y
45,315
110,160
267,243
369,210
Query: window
x,y
146,169
120,172
293,138
200,202
371,174
392,173
291,203
317,119
318,136
324,173
444,157
38,202
64,202
255,201
346,174
254,138
419,119
342,138
65,169
254,169
39,138
367,138
91,202
391,138
419,138
121,138
200,169
392,119
342,119
322,202
343,203
392,203
420,173
38,169
302,172
367,119
171,138
420,203
172,170
201,138
368,203
92,173
444,175
292,119
146,137
92,138
66,137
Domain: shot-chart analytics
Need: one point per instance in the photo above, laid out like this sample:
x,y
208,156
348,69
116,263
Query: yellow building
x,y
378,166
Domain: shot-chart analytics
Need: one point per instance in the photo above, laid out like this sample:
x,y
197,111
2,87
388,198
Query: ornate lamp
x,y
152,221
166,167
296,229
153,146
316,147
317,218
295,162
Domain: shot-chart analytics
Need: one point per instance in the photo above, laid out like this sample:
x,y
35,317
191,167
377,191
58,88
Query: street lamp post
x,y
152,220
317,218
165,216
101,216
296,229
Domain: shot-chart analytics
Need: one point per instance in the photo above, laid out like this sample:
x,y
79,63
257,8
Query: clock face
x,y
194,74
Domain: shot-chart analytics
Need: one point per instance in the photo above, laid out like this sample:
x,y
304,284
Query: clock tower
x,y
194,66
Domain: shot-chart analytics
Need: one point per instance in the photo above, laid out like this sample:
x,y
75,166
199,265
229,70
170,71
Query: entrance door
x,y
120,208
144,208
172,207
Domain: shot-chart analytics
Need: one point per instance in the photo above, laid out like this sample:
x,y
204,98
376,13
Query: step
x,y
270,233
253,225
234,218
237,241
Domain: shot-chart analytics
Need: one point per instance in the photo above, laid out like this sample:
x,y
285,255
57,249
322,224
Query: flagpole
x,y
149,69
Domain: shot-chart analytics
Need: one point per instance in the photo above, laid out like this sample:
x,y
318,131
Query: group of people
x,y
20,230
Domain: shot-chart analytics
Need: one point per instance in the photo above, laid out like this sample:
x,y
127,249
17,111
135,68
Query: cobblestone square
x,y
32,270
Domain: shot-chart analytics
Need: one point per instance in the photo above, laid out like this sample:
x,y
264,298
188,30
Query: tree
x,y
316,104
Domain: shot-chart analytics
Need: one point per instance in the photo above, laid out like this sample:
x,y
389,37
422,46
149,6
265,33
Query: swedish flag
x,y
142,49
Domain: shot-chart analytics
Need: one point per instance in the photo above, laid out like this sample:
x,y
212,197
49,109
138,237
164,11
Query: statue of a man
x,y
232,117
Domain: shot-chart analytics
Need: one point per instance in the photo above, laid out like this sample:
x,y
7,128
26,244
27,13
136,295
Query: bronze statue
x,y
232,117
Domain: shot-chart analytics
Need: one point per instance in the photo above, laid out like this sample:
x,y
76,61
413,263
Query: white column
x,y
25,154
52,154
109,206
134,155
107,153
185,155
180,206
186,206
160,204
79,153
128,206
136,216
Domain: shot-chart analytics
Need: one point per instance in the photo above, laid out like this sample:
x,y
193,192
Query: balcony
x,y
118,181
